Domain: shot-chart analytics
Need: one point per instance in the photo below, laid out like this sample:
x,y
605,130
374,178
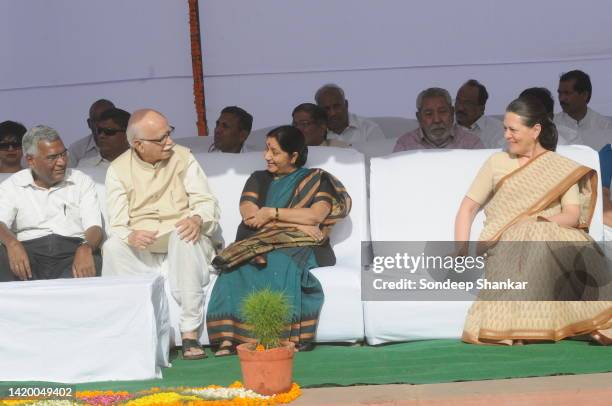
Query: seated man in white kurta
x,y
160,207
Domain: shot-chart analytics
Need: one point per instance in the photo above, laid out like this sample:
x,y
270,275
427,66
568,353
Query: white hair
x,y
132,132
433,92
36,134
327,87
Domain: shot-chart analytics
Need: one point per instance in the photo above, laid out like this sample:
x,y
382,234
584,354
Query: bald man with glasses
x,y
163,218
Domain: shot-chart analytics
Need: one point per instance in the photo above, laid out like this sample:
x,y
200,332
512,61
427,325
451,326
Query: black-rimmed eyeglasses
x,y
162,139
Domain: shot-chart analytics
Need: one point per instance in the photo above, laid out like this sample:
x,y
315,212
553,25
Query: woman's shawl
x,y
307,192
533,187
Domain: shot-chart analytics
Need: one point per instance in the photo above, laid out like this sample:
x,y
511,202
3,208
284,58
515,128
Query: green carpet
x,y
419,362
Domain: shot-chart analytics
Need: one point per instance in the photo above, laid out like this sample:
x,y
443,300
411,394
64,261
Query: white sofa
x,y
414,197
341,318
423,208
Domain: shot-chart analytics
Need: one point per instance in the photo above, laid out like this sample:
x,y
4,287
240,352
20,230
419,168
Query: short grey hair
x,y
433,92
35,135
327,87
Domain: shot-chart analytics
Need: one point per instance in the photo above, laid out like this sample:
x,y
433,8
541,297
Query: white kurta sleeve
x,y
117,206
374,132
201,200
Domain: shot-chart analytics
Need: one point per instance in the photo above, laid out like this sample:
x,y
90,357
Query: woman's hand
x,y
312,231
261,217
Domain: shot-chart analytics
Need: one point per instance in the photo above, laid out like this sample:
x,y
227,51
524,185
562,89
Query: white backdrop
x,y
267,56
59,56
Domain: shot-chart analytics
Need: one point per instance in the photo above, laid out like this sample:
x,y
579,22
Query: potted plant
x,y
267,365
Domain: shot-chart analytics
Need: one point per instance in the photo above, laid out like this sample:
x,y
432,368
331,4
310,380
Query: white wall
x,y
270,55
59,56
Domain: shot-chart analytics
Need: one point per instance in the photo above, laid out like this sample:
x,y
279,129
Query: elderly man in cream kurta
x,y
161,208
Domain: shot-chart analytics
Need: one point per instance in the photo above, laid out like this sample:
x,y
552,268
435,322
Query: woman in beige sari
x,y
530,193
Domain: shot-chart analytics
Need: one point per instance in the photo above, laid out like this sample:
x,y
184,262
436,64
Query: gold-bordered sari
x,y
517,212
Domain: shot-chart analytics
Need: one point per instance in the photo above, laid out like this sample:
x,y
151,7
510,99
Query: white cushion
x,y
376,148
394,127
196,144
423,208
596,138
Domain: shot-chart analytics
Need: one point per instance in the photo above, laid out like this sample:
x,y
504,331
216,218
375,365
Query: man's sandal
x,y
189,344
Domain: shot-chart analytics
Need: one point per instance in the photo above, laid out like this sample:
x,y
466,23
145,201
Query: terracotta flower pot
x,y
266,372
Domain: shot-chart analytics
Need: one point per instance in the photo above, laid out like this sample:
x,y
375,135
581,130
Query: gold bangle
x,y
276,216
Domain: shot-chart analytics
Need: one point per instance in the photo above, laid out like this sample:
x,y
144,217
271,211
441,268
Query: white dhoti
x,y
186,265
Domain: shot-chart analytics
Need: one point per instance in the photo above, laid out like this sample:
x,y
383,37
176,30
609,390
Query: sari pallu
x,y
251,243
515,215
290,254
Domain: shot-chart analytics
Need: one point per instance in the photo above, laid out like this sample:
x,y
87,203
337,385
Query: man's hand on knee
x,y
18,260
188,229
141,239
83,265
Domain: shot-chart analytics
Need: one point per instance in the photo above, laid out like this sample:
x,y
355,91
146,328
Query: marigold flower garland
x,y
212,395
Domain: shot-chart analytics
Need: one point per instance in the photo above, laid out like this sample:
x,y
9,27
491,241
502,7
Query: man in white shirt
x,y
232,130
86,147
341,124
110,138
50,221
161,211
592,128
470,104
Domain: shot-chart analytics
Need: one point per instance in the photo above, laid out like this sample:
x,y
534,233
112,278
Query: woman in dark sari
x,y
288,212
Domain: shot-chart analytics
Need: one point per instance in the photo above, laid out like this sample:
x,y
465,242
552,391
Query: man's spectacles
x,y
162,139
109,131
5,146
55,157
